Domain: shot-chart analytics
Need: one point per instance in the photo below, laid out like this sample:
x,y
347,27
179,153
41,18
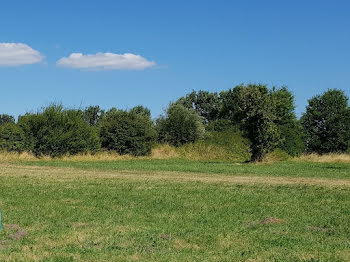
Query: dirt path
x,y
71,174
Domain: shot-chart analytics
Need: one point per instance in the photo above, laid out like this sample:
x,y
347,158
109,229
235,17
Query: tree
x,y
180,125
291,141
283,105
4,118
206,104
141,110
277,106
326,123
253,108
128,132
289,127
92,115
11,137
229,107
56,131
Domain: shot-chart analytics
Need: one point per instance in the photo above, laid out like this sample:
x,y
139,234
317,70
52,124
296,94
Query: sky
x,y
126,53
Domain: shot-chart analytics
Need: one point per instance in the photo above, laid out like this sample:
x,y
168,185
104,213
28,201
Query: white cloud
x,y
106,61
16,54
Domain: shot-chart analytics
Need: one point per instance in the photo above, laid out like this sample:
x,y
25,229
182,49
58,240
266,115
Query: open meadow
x,y
174,210
175,131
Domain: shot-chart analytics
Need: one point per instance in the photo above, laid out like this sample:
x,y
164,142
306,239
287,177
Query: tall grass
x,y
276,156
14,156
217,146
196,152
326,158
213,148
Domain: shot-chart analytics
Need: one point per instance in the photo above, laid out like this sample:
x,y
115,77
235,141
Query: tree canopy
x,y
180,125
326,123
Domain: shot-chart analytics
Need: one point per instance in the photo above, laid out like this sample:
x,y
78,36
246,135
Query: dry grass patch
x,y
14,156
327,158
196,151
164,152
6,157
183,244
233,241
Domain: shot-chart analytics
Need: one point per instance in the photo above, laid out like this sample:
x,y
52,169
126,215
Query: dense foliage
x,y
4,119
289,128
56,131
128,132
255,112
206,104
180,125
326,123
11,137
93,115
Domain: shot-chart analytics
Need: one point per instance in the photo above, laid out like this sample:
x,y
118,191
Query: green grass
x,y
93,211
286,168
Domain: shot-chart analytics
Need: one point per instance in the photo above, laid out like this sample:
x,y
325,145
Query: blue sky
x,y
176,46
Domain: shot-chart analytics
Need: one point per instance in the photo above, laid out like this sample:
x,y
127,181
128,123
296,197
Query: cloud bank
x,y
106,61
17,54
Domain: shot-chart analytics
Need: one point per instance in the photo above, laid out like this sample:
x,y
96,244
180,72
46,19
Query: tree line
x,y
266,117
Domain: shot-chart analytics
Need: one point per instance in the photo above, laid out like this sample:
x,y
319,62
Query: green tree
x,y
289,128
326,123
253,108
128,132
180,125
278,107
56,131
292,139
206,104
4,118
141,110
228,109
11,137
92,115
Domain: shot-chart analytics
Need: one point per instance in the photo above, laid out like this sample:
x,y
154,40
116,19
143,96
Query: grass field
x,y
174,210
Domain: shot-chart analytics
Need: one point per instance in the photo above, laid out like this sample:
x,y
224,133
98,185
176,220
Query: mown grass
x,y
283,168
166,211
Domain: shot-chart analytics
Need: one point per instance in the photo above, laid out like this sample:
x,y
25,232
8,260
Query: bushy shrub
x,y
180,125
57,131
128,132
292,139
11,137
